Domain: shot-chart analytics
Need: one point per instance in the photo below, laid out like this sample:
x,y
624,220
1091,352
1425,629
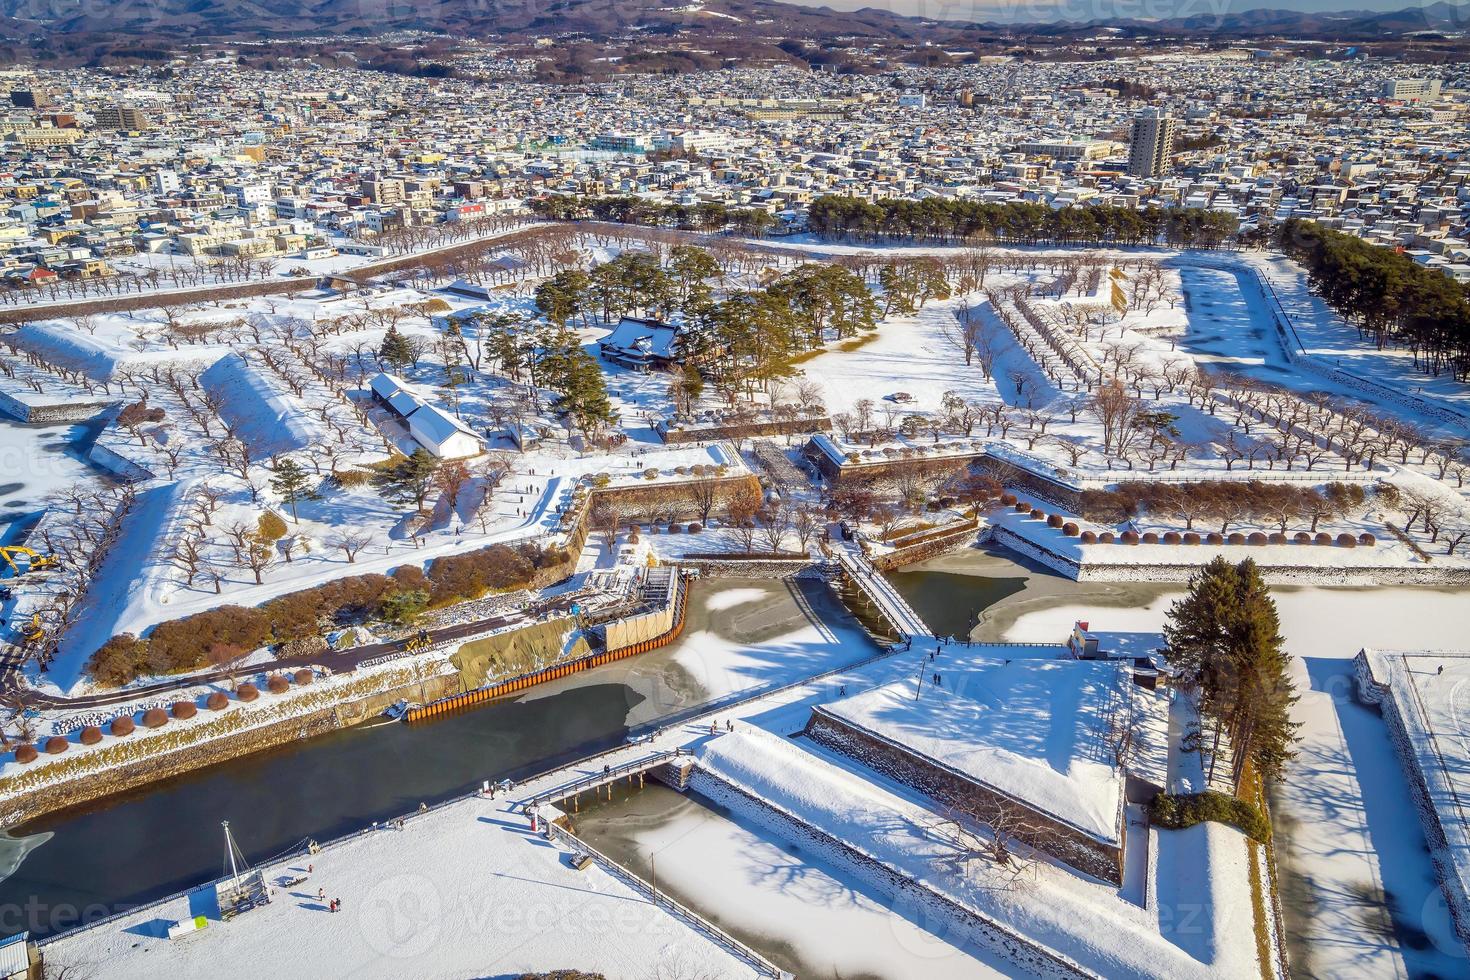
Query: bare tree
x,y
350,543
775,523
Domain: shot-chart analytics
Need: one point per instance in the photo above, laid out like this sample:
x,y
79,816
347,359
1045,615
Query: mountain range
x,y
247,19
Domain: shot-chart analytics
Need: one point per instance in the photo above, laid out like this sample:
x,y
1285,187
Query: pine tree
x,y
563,295
693,381
1225,643
583,393
409,478
1262,732
291,484
395,350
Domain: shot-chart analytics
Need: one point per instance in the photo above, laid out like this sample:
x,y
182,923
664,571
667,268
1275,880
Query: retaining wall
x,y
1452,879
89,786
938,545
776,568
513,685
1042,830
960,923
718,433
1441,575
68,411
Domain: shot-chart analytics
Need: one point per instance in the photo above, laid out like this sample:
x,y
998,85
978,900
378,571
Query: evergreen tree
x,y
395,350
693,381
403,608
1262,732
691,266
409,478
291,484
583,393
563,296
1225,644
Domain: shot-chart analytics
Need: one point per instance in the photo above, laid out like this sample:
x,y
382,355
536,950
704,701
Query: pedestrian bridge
x,y
881,592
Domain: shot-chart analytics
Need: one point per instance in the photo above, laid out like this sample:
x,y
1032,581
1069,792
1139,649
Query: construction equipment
x,y
419,642
34,632
35,561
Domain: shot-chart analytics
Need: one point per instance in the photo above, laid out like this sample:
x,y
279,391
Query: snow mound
x,y
102,357
257,409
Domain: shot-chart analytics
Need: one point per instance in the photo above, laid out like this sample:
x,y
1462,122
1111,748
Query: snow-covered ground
x,y
464,890
1035,730
35,462
1348,835
817,919
1201,871
1324,335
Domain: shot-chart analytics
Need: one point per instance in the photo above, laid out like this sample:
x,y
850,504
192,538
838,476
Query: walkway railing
x,y
877,588
699,922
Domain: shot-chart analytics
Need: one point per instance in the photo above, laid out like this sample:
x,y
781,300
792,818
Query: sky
x,y
1036,11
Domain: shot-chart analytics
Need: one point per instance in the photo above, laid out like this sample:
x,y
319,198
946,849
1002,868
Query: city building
x,y
1412,89
1150,143
118,115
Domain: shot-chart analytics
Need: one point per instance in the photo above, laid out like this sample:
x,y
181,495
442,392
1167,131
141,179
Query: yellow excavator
x,y
33,631
35,560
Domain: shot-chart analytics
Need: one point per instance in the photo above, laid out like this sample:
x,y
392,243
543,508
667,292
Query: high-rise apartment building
x,y
382,190
116,115
1150,143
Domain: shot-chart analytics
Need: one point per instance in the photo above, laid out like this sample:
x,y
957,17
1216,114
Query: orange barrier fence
x,y
479,695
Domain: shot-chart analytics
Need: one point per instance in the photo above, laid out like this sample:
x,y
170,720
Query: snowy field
x,y
36,461
1036,731
1326,336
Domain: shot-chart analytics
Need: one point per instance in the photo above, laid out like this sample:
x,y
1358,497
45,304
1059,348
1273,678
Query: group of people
x,y
335,905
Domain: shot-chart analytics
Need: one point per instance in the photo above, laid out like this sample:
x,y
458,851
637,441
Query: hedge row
x,y
1186,810
220,635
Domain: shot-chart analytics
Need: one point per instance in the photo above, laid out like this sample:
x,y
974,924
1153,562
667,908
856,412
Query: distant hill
x,y
169,21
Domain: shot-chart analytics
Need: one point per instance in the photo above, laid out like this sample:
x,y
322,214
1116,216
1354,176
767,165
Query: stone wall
x,y
1043,831
1181,571
746,568
130,776
677,497
719,433
960,923
67,411
940,544
1457,897
1017,477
